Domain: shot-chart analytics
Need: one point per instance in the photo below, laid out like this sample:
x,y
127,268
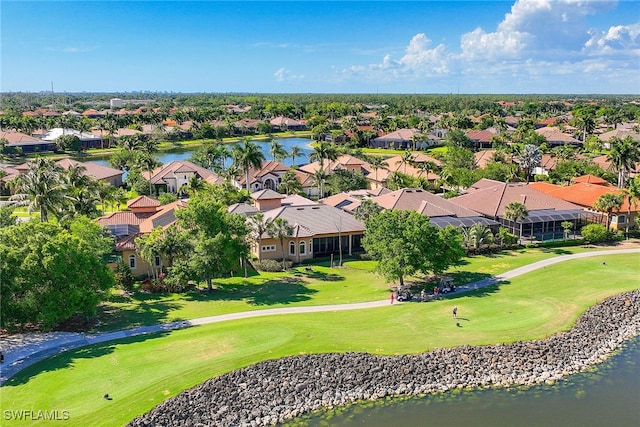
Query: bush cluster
x,y
271,265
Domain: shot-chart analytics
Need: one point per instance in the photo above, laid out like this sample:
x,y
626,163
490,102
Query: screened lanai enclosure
x,y
546,224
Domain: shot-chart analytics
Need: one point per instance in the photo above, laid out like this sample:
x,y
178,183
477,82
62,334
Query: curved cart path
x,y
23,350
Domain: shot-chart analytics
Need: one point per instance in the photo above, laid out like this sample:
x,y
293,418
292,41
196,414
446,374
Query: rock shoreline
x,y
277,390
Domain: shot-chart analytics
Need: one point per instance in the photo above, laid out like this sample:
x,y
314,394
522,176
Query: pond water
x,y
185,153
608,396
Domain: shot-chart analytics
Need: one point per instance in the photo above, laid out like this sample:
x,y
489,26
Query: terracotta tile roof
x,y
242,209
296,200
345,161
168,171
484,135
91,169
490,198
421,201
143,202
584,194
398,135
343,201
590,179
555,135
267,194
124,218
19,137
163,217
317,219
620,133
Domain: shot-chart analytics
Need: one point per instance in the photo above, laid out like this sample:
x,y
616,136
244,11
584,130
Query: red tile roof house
x,y
546,213
345,161
170,177
26,143
268,176
482,138
284,123
399,140
585,191
442,212
318,229
96,171
396,164
144,214
556,137
351,200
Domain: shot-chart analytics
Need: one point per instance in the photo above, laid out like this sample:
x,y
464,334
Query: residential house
x,y
414,168
441,211
556,137
546,213
482,138
26,143
401,139
585,192
620,134
169,177
285,123
88,140
350,201
318,230
96,171
268,176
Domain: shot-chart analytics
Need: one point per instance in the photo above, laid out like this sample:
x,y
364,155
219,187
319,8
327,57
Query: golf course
x,y
139,372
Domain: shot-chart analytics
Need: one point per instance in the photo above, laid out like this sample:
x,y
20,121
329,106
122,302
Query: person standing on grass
x,y
392,297
455,312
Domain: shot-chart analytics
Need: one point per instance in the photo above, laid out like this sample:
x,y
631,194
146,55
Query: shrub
x,y
166,198
271,265
366,257
124,277
595,233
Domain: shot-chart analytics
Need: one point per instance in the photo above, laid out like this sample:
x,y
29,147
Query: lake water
x,y
609,396
185,153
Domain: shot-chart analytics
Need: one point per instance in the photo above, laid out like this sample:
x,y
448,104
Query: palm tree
x,y
530,158
480,235
376,163
280,229
517,212
324,151
319,177
623,156
294,152
147,162
407,158
277,151
259,226
41,187
632,193
246,156
193,186
608,203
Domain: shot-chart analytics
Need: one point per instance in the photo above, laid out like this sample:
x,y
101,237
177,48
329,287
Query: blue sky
x,y
523,46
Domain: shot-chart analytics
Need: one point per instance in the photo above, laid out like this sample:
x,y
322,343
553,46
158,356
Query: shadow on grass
x,y
476,293
464,277
144,311
68,359
281,291
556,251
319,275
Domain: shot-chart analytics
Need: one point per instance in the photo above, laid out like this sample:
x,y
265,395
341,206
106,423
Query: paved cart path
x,y
23,350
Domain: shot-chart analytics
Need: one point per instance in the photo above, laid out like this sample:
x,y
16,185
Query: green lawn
x,y
141,372
354,282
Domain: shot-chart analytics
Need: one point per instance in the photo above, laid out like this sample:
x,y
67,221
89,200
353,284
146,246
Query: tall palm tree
x,y
40,188
319,177
623,156
259,226
294,152
324,151
530,158
246,156
406,158
517,212
376,163
280,229
632,192
608,203
277,151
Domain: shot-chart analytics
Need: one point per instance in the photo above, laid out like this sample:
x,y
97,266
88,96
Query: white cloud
x,y
282,75
537,41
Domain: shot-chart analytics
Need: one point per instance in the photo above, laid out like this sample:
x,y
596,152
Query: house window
x,y
303,248
158,262
292,248
132,261
269,248
619,219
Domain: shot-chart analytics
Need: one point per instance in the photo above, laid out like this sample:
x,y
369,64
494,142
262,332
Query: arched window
x,y
303,248
292,248
132,261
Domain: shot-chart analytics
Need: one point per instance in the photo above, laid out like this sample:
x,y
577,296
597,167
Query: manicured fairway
x,y
141,372
355,282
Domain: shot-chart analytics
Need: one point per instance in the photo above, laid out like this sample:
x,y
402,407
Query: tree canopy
x,y
50,273
405,243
